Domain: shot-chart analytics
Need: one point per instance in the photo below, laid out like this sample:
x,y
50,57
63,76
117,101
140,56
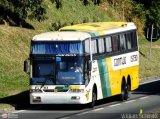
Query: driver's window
x,y
87,73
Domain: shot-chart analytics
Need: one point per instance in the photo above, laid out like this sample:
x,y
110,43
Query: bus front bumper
x,y
58,98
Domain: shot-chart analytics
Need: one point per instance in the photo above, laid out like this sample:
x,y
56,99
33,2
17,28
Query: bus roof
x,y
61,36
85,30
101,28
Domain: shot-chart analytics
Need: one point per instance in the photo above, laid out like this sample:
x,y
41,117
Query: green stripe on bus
x,y
62,87
104,77
93,33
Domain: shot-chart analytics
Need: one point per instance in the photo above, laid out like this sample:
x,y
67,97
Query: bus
x,y
106,52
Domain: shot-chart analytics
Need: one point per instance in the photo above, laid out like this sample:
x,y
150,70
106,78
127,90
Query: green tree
x,y
58,3
128,9
153,14
153,11
18,10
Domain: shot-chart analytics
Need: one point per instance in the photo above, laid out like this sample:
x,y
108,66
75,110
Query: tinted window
x,y
134,39
94,46
122,41
115,43
108,44
131,40
101,45
87,46
129,43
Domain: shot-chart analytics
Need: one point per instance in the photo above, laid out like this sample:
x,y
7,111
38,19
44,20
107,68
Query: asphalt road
x,y
145,101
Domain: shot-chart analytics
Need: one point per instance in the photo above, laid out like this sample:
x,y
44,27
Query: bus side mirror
x,y
26,66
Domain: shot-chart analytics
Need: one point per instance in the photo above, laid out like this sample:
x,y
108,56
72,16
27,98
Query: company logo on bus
x,y
124,61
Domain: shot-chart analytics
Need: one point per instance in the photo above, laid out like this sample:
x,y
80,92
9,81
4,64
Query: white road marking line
x,y
82,113
149,81
130,101
114,105
144,97
97,109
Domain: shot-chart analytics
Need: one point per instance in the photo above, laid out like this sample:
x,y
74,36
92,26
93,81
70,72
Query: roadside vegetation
x,y
149,64
15,34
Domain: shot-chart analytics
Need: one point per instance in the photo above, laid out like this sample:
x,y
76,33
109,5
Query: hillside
x,y
71,12
14,48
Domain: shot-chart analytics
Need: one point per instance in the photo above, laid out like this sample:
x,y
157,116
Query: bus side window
x,y
129,43
101,45
134,39
115,43
87,46
94,46
122,42
86,71
108,44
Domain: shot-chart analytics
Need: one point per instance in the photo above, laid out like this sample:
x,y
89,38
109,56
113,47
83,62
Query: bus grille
x,y
55,90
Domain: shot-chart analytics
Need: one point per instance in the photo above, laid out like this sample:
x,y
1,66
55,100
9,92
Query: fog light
x,y
75,97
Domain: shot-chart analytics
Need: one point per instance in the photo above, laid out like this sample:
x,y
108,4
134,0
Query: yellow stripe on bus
x,y
115,77
75,87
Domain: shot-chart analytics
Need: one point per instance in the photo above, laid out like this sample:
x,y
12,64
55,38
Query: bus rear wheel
x,y
124,92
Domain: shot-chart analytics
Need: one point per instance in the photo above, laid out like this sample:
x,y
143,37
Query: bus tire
x,y
94,98
124,92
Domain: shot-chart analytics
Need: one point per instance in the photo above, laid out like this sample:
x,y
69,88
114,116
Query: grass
x,y
14,48
149,65
6,108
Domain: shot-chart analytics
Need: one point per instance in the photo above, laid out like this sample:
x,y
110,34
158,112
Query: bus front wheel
x,y
94,98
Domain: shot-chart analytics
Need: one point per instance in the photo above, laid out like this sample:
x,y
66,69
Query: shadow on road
x,y
149,88
21,100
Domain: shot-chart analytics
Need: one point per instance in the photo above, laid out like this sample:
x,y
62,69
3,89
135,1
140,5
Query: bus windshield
x,y
70,71
58,71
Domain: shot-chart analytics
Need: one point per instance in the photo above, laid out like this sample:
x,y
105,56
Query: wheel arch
x,y
95,88
123,80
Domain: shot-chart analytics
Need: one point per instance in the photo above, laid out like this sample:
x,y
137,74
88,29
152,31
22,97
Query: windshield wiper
x,y
47,77
67,83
